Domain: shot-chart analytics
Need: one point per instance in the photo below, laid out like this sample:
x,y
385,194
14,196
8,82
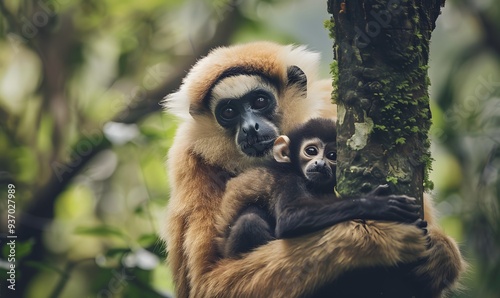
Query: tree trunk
x,y
381,54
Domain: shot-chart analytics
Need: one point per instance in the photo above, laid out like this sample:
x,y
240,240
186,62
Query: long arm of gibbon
x,y
295,267
309,216
277,268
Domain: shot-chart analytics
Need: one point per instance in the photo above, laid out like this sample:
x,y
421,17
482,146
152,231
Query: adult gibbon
x,y
233,102
293,194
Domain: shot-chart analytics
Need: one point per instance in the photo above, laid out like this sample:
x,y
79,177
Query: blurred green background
x,y
83,139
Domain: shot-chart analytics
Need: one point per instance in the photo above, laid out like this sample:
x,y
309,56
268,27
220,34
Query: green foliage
x,y
329,25
147,240
334,72
334,67
400,141
392,180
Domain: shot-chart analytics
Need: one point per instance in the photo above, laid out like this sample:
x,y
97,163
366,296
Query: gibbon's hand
x,y
400,208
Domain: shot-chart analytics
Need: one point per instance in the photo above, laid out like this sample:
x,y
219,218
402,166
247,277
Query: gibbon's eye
x,y
260,103
311,151
229,113
332,155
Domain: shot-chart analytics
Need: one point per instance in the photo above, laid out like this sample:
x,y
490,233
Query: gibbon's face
x,y
318,161
245,106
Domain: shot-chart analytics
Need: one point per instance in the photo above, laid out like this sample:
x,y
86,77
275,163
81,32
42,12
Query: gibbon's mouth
x,y
258,147
319,175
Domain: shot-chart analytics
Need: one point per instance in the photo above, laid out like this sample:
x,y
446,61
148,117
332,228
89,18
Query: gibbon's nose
x,y
250,128
320,163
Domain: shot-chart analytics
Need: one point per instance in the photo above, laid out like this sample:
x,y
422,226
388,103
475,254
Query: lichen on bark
x,y
382,50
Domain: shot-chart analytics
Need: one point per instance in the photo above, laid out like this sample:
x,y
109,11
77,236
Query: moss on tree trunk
x,y
381,55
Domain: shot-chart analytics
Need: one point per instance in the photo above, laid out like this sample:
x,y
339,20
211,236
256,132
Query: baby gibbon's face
x,y
318,161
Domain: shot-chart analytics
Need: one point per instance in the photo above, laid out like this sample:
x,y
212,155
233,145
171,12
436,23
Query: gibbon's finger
x,y
422,224
414,210
403,201
404,198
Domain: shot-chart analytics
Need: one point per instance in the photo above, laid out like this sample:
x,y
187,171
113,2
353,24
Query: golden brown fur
x,y
203,158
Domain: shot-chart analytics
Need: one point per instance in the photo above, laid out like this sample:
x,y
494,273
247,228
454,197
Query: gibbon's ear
x,y
297,77
281,149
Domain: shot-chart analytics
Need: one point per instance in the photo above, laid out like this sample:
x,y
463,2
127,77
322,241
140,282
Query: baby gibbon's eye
x,y
332,155
311,150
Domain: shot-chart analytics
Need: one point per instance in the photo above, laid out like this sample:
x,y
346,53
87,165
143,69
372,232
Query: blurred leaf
x,y
116,252
24,248
152,134
148,239
100,231
74,203
140,209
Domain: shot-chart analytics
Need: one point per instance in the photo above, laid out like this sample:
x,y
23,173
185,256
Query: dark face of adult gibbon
x,y
245,105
